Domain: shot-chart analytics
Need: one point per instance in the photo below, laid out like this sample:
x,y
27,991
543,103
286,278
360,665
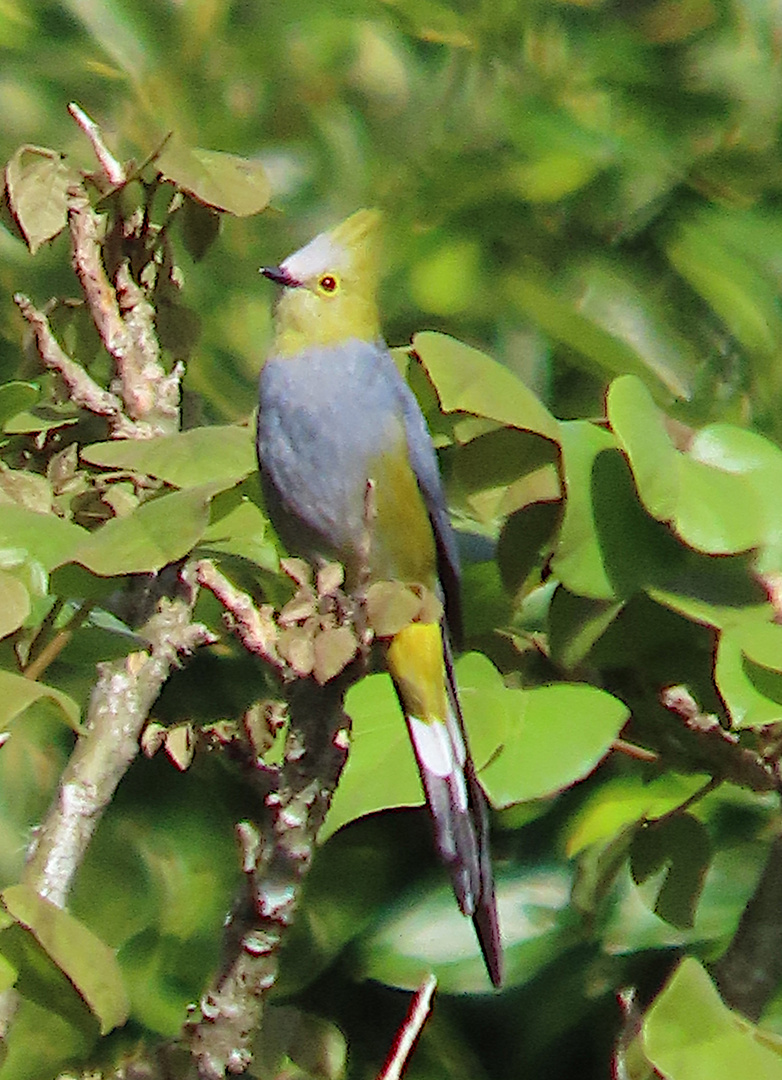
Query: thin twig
x,y
408,1033
82,388
254,626
114,171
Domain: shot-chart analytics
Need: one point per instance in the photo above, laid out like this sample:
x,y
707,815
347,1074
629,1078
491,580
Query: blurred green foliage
x,y
587,191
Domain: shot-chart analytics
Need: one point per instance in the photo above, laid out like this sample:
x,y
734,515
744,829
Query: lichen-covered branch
x,y
277,853
119,705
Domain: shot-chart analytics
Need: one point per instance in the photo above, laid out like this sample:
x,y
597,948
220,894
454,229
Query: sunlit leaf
x,y
157,533
690,1034
470,381
37,182
224,181
18,693
14,603
88,963
204,455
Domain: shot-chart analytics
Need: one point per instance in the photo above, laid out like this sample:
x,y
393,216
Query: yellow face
x,y
329,288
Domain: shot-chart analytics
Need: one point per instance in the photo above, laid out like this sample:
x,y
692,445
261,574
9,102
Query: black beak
x,y
280,276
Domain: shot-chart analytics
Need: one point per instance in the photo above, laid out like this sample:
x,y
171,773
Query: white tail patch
x,y
436,754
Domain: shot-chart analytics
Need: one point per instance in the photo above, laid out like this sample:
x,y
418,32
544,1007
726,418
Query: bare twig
x,y
408,1033
720,749
125,324
113,170
82,388
254,626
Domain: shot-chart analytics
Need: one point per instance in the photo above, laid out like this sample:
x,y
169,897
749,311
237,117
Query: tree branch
x,y
120,701
82,388
277,853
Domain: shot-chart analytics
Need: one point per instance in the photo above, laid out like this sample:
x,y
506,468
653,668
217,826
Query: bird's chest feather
x,y
330,421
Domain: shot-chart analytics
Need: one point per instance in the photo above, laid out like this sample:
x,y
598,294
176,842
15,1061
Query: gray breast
x,y
323,416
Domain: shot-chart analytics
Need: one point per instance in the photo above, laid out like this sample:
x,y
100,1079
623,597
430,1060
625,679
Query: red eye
x,y
328,283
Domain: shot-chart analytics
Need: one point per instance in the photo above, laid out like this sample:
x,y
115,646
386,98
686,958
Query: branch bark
x,y
277,853
120,702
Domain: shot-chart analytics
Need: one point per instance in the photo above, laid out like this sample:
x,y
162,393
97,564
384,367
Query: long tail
x,y
420,664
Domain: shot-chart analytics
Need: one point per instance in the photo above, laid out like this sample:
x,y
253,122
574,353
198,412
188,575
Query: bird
x,y
336,420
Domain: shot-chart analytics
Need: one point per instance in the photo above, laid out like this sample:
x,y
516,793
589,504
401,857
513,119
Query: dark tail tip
x,y
487,928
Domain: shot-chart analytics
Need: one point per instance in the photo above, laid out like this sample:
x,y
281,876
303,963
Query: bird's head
x,y
329,288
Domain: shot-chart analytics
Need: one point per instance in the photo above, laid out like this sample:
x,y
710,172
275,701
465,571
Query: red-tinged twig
x,y
82,388
408,1033
254,626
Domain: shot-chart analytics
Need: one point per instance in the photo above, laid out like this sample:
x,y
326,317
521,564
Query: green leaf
x,y
745,299
632,926
690,1034
564,322
243,531
15,397
680,843
222,454
14,603
427,933
469,381
381,770
639,426
713,495
575,624
524,537
157,533
44,537
41,1043
496,471
224,181
578,560
18,693
748,673
533,762
200,228
89,964
624,801
37,182
509,728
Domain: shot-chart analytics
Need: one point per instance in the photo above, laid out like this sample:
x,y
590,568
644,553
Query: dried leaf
x,y
37,182
180,745
300,607
330,578
298,570
152,738
334,649
391,606
296,646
